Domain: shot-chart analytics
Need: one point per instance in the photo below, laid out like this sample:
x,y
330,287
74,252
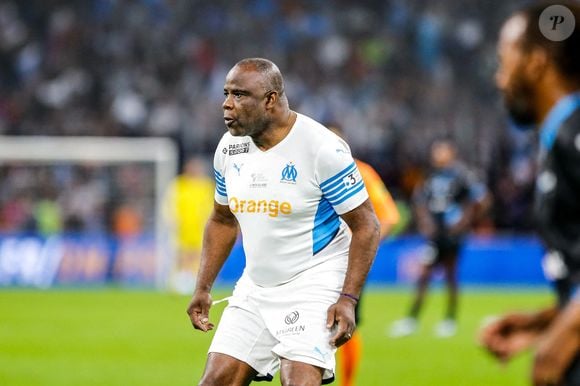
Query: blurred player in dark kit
x,y
539,76
445,206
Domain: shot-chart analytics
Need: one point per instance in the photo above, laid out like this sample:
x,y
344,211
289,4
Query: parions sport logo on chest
x,y
238,148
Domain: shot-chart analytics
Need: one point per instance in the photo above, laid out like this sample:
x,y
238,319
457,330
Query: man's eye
x,y
237,95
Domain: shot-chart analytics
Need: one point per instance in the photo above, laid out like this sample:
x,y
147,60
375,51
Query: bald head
x,y
254,98
271,76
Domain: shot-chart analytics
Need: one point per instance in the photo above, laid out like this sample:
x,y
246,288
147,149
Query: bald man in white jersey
x,y
309,234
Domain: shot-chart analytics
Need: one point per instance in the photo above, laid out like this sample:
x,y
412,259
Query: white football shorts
x,y
260,325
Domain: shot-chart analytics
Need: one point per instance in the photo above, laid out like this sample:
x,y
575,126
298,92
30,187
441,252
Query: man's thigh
x,y
222,369
241,334
299,373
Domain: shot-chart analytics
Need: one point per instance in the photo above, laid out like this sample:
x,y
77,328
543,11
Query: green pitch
x,y
120,338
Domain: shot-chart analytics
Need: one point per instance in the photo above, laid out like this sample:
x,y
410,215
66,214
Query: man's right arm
x,y
219,238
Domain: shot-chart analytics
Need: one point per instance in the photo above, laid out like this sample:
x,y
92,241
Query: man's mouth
x,y
228,121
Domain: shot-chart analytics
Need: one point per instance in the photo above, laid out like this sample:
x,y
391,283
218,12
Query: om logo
x,y
289,173
292,317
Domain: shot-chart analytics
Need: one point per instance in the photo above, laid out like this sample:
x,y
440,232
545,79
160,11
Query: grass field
x,y
120,338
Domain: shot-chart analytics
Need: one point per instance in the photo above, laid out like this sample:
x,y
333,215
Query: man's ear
x,y
271,99
537,64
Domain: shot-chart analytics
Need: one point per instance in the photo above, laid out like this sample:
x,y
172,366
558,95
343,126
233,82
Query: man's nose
x,y
227,105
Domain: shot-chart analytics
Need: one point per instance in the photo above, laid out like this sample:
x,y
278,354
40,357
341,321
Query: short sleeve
x,y
339,178
219,167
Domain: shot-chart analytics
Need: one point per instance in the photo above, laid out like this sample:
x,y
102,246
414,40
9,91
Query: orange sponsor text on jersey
x,y
272,208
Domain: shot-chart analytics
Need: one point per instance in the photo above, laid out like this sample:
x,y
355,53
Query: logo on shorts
x,y
292,328
292,317
324,355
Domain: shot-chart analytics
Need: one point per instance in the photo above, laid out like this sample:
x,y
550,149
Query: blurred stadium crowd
x,y
394,74
48,200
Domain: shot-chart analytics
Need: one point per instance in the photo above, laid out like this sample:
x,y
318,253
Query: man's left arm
x,y
365,229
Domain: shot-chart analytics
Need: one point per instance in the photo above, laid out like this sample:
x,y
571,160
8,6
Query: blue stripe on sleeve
x,y
218,176
220,184
337,194
327,184
338,183
351,192
221,191
336,187
345,191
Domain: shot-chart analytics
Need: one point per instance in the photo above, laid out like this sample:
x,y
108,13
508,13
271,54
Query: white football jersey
x,y
287,199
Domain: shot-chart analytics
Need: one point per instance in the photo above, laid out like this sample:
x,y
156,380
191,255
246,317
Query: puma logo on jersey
x,y
272,208
238,168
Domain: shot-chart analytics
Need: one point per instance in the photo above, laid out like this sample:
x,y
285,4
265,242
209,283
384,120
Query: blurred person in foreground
x,y
187,208
540,82
445,206
388,216
294,190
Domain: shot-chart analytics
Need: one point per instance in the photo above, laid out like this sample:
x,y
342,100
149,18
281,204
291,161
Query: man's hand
x,y
509,335
198,311
340,316
557,347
